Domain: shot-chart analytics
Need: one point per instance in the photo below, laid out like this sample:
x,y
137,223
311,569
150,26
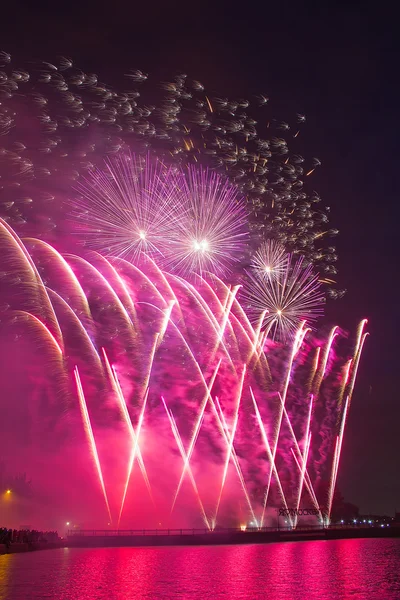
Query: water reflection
x,y
357,569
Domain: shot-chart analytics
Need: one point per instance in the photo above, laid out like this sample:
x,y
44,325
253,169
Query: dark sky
x,y
338,64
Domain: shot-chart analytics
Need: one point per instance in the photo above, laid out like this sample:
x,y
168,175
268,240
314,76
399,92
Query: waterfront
x,y
323,570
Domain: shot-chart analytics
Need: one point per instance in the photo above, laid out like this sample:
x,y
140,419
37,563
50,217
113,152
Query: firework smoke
x,y
177,370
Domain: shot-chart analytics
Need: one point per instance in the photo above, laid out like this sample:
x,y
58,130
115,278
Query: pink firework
x,y
188,420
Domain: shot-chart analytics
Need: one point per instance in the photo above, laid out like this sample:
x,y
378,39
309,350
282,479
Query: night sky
x,y
339,66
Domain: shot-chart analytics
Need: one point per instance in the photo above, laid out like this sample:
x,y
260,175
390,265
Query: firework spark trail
x,y
20,247
359,335
256,346
29,261
184,456
168,285
66,267
358,350
90,436
224,305
309,489
225,316
225,320
314,369
271,458
142,275
227,310
337,454
223,426
121,283
307,441
236,303
196,431
300,455
332,336
233,317
135,444
125,413
206,310
82,329
345,378
107,285
317,355
258,332
43,327
133,455
319,376
231,440
356,363
298,340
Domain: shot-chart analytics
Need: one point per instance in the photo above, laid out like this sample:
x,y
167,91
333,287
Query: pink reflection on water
x,y
333,570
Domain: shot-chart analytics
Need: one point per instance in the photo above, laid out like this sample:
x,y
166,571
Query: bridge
x,y
248,535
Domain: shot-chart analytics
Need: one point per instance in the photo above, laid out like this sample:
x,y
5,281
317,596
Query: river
x,y
339,569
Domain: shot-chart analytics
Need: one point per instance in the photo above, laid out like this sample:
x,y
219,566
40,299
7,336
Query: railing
x,y
216,531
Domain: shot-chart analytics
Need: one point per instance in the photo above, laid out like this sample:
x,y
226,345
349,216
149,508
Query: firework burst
x,y
128,208
288,299
212,232
78,121
270,261
190,220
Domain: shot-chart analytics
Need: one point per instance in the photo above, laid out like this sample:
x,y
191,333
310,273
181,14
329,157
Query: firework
x,y
129,208
78,120
197,399
290,297
190,220
270,261
159,361
211,233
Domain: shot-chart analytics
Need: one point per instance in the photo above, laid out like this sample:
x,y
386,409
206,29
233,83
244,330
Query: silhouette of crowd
x,y
26,536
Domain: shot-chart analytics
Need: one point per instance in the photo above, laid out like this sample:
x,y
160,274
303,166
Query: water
x,y
345,569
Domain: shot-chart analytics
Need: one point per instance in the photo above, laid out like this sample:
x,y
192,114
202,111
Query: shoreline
x,y
20,547
88,540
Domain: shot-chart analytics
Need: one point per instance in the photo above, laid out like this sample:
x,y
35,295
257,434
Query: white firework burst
x,y
128,208
270,261
288,299
212,233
